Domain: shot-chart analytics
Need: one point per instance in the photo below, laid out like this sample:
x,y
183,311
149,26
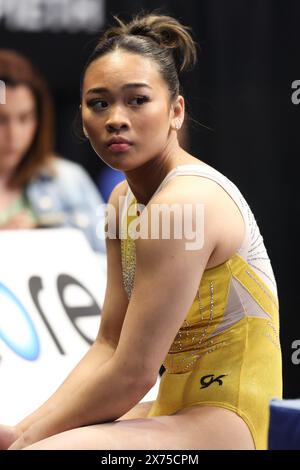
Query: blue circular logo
x,y
16,327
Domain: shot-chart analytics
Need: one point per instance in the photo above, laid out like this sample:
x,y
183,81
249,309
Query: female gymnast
x,y
207,308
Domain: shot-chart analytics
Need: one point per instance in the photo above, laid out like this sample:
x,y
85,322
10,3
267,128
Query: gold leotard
x,y
227,351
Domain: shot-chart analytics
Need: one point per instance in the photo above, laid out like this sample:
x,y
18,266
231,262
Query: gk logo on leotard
x,y
207,380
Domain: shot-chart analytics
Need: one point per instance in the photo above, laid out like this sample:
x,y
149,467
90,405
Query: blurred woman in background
x,y
38,189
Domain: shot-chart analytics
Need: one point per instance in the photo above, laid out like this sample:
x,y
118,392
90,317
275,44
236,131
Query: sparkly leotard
x,y
227,351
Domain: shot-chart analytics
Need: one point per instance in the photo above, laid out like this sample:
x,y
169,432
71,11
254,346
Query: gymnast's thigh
x,y
207,427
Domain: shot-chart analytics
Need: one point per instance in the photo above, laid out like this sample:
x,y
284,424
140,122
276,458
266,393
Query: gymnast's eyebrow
x,y
127,85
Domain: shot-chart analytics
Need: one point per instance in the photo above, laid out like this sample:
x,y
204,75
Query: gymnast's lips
x,y
119,140
119,144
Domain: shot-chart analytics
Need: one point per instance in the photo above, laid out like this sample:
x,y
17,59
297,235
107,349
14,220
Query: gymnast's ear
x,y
178,112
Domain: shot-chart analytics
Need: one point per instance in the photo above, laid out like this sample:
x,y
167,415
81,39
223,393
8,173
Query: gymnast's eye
x,y
97,104
140,100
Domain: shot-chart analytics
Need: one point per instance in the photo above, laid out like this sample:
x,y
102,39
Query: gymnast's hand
x,y
8,435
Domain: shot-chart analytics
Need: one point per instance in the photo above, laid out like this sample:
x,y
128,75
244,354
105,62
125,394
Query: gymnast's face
x,y
124,95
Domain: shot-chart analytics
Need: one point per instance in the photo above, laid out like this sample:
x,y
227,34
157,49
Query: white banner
x,y
52,287
71,16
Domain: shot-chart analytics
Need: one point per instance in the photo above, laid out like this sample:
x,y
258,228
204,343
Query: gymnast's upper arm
x,y
166,281
116,300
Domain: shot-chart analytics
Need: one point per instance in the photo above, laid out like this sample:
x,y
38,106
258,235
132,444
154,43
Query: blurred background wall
x,y
241,98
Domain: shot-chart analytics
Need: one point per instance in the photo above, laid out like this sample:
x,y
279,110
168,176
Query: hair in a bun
x,y
159,37
166,31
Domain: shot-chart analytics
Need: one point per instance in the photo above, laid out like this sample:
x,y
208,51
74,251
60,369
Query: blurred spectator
x,y
38,189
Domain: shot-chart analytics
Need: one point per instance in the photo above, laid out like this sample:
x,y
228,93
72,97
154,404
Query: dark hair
x,y
158,37
15,70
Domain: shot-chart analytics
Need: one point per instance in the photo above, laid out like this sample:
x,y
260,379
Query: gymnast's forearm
x,y
108,393
98,354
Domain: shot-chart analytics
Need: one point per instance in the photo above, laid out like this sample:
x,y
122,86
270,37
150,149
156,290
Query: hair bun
x,y
141,30
144,30
165,30
169,33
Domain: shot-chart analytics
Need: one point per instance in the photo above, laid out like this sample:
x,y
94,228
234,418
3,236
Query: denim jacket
x,y
68,197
